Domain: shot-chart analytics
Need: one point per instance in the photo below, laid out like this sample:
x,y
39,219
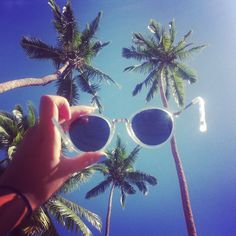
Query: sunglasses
x,y
150,128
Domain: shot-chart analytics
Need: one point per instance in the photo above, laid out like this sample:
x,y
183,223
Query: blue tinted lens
x,y
152,127
89,133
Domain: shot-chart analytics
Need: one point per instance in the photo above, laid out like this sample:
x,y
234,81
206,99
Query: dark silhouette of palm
x,y
119,172
162,59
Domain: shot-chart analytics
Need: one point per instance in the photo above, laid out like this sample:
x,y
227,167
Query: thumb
x,y
82,161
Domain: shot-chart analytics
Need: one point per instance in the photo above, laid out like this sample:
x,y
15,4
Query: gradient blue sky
x,y
209,159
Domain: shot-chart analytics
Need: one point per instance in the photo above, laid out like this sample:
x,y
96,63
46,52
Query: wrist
x,y
5,189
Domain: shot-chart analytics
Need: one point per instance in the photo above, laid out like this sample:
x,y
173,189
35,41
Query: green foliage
x,y
78,48
70,214
119,171
161,58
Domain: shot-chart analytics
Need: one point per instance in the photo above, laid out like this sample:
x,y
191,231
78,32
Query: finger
x,y
77,111
78,163
53,106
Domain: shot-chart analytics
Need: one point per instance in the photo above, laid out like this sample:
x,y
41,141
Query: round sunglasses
x,y
150,128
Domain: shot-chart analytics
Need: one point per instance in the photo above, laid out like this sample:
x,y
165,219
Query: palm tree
x,y
162,59
74,53
119,172
13,127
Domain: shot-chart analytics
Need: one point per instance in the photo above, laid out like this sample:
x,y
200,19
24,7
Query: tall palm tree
x,y
119,172
73,54
13,127
162,59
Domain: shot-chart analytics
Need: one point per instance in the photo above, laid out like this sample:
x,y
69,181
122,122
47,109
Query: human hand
x,y
38,168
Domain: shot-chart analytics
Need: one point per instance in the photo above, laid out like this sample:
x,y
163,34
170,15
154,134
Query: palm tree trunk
x,y
9,85
181,176
108,219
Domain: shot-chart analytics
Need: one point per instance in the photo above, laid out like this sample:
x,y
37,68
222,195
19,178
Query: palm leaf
x,y
134,54
137,176
92,73
122,198
76,180
37,224
88,215
153,90
172,30
97,46
132,157
69,25
185,72
89,88
142,187
57,16
156,28
37,49
90,30
67,88
100,188
177,88
126,187
67,217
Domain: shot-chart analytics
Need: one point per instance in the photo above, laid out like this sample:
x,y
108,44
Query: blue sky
x,y
209,159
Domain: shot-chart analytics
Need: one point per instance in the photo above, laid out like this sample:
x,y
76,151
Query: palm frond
x,y
126,187
185,54
58,23
185,72
100,188
122,198
101,168
67,88
166,42
137,176
132,157
37,49
177,87
143,42
153,90
97,46
91,217
149,80
172,30
69,25
142,187
37,224
156,28
92,73
142,68
134,54
76,180
90,30
67,217
90,88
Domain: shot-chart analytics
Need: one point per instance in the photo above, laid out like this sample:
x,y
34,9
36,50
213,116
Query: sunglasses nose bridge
x,y
120,120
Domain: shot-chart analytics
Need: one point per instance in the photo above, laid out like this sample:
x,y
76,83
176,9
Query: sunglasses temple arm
x,y
64,137
201,102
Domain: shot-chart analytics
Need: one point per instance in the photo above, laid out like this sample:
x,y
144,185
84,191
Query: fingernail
x,y
102,159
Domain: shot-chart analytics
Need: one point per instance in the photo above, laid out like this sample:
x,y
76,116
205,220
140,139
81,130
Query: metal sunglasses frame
x,y
128,123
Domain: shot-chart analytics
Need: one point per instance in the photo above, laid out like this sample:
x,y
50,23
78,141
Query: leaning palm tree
x,y
72,56
119,172
13,127
162,59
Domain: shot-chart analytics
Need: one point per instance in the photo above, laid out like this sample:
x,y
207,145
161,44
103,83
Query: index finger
x,y
53,106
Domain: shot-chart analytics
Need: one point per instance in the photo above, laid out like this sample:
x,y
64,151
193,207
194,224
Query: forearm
x,y
12,211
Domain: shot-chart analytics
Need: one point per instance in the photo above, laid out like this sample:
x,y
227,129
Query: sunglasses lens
x,y
89,133
152,127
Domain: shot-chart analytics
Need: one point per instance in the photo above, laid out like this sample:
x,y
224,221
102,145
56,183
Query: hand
x,y
38,168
